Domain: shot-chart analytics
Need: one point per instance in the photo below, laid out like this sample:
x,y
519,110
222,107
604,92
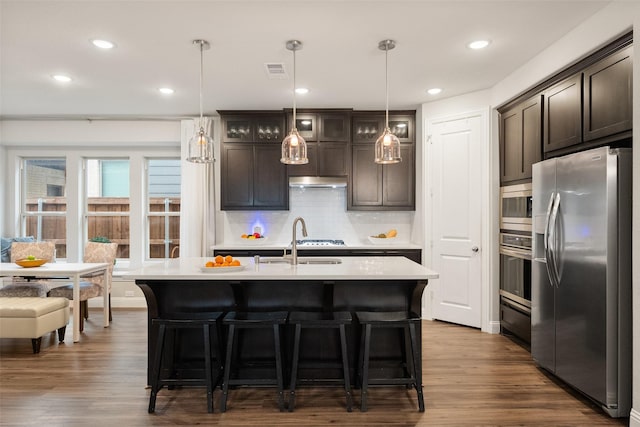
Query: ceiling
x,y
340,61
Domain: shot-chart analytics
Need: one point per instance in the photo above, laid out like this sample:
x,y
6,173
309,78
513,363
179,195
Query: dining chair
x,y
91,286
28,286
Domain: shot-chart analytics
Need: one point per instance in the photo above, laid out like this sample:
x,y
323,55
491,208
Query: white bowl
x,y
382,240
254,242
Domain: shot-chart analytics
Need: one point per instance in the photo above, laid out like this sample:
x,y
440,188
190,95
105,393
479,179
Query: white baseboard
x,y
493,327
634,418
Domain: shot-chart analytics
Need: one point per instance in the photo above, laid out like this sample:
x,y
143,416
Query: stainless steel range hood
x,y
318,181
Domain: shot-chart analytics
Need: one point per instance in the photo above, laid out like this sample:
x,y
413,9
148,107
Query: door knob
x,y
475,249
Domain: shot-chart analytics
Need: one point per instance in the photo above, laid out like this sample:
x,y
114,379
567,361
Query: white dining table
x,y
72,270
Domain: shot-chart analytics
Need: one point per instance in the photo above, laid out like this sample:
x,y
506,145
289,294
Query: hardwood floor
x,y
470,378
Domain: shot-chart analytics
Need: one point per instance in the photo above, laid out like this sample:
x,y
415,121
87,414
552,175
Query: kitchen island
x,y
355,284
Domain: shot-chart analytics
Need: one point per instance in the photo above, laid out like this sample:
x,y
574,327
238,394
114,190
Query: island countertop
x,y
363,268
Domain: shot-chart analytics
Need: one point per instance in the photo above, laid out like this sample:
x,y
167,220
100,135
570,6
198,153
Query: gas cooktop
x,y
320,242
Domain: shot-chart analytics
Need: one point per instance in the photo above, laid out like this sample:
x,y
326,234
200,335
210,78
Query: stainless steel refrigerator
x,y
581,273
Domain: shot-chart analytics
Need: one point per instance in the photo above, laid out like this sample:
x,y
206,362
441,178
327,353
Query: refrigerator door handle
x,y
553,250
547,246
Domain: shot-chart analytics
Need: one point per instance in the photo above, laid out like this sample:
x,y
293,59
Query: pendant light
x,y
294,147
387,147
200,144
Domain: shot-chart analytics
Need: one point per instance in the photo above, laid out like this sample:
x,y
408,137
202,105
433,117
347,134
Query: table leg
x,y
76,307
105,294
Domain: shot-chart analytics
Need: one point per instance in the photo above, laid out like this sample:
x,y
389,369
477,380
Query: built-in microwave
x,y
516,207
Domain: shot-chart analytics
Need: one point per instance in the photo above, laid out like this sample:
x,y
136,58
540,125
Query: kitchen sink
x,y
301,260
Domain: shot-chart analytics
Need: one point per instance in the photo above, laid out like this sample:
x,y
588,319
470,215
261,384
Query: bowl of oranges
x,y
222,264
253,239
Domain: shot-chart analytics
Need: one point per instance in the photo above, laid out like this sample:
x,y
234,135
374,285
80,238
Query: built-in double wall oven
x,y
515,261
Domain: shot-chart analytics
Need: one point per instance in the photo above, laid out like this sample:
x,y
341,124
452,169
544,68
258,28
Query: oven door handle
x,y
515,253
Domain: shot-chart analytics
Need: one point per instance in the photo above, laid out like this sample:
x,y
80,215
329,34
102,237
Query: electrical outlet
x,y
129,293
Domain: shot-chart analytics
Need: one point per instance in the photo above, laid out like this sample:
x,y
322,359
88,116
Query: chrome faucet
x,y
294,243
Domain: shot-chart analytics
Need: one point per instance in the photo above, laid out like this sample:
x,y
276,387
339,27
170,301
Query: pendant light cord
x,y
294,87
201,72
386,78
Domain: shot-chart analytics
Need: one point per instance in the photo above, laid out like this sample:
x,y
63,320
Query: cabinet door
x,y
531,134
563,114
608,95
270,186
237,129
333,158
366,178
334,127
403,127
398,181
307,125
511,145
367,129
237,176
520,140
268,129
309,169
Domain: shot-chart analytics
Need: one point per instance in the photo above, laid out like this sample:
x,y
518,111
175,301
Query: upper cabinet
x,y
589,104
608,96
252,176
328,134
563,114
252,127
520,140
381,187
367,127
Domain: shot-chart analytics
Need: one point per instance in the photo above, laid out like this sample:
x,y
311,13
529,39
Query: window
x,y
44,203
163,207
107,201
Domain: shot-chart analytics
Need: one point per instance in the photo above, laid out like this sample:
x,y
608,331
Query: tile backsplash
x,y
325,213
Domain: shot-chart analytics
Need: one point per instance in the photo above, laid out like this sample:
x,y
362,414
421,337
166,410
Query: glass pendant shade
x,y
200,148
200,144
387,148
294,149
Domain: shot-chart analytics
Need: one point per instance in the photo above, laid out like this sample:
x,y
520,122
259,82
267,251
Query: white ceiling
x,y
340,61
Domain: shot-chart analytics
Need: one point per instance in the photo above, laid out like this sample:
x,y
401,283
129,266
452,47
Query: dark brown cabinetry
x,y
252,177
608,96
327,133
563,114
520,140
381,187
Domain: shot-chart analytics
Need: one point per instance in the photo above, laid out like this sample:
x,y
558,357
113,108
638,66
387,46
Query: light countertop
x,y
274,246
351,268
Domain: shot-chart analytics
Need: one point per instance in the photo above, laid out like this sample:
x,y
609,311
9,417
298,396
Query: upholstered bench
x,y
33,317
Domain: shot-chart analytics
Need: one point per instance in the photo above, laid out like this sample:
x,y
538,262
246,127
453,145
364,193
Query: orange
x,y
228,258
235,263
210,264
219,259
244,236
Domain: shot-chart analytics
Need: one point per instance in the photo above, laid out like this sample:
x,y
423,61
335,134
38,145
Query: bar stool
x,y
209,323
412,366
318,320
252,320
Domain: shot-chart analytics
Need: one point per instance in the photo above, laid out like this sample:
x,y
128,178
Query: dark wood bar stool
x,y
208,322
318,320
411,363
252,320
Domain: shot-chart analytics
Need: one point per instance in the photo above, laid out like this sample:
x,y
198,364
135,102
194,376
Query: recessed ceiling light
x,y
478,44
434,91
61,78
103,44
302,90
166,90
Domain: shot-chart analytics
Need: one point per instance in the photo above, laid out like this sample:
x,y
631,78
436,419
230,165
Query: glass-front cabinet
x,y
253,128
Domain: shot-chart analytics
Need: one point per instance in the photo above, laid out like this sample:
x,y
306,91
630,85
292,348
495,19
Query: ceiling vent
x,y
276,71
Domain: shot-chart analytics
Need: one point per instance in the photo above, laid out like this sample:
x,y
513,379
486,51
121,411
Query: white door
x,y
455,167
